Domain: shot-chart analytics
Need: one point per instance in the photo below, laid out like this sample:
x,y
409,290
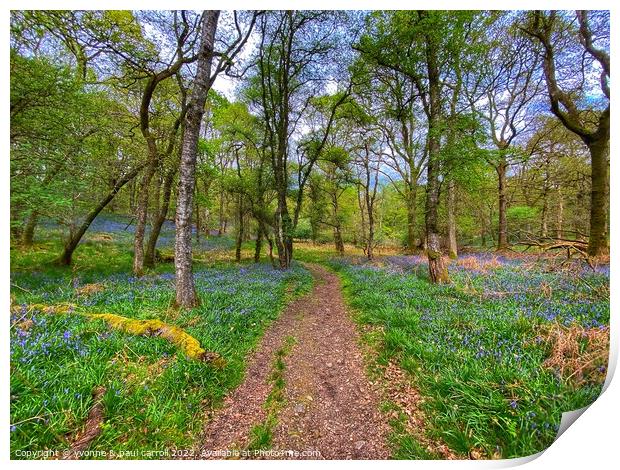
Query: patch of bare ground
x,y
330,409
397,388
229,427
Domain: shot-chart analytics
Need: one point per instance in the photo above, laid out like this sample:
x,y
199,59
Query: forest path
x,y
305,387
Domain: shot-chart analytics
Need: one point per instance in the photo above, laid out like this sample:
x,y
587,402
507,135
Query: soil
x,y
330,408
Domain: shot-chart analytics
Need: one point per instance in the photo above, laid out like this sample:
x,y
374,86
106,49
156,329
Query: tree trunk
x,y
411,220
149,257
284,240
559,233
598,242
360,204
437,269
239,240
73,241
314,230
222,227
339,244
28,233
142,211
371,236
259,244
502,233
185,290
452,245
247,223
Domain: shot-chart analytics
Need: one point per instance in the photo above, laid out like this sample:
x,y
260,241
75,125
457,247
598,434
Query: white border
x,y
592,442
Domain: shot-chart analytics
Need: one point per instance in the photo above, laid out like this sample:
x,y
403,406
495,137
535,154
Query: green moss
x,y
187,343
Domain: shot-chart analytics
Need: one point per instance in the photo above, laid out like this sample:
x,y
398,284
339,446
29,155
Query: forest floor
x,y
337,357
306,393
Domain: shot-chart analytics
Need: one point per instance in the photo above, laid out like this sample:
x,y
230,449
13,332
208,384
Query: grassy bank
x,y
497,355
155,396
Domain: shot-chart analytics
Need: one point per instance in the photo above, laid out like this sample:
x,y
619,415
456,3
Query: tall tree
x,y
426,36
185,289
368,162
207,71
182,56
562,43
511,85
291,63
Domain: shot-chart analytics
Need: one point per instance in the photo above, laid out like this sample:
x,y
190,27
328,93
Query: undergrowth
x,y
156,395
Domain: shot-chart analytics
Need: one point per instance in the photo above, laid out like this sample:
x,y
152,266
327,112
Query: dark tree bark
x,y
436,266
258,244
28,233
502,232
149,257
73,241
599,151
565,107
452,245
141,215
185,290
339,244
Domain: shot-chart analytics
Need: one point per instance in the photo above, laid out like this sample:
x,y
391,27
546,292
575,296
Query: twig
x,y
21,288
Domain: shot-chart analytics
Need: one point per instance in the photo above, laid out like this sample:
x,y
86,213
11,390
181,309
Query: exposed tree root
x,y
187,343
190,345
92,427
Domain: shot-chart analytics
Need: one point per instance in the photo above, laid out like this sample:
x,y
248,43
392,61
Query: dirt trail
x,y
330,409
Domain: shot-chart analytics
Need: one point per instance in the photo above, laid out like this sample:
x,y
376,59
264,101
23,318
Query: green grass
x,y
475,349
476,358
156,398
